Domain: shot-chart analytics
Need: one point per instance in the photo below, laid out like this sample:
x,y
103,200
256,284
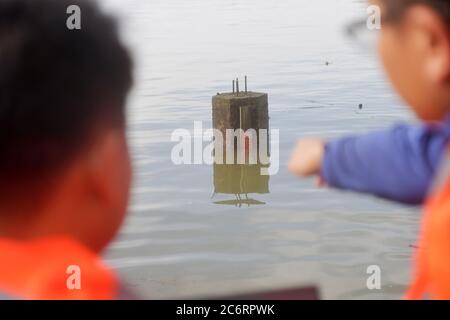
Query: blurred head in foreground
x,y
64,162
415,48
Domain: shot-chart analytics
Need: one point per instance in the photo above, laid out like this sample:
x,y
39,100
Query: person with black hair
x,y
65,170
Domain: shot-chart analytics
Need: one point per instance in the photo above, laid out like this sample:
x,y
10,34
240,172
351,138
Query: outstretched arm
x,y
396,164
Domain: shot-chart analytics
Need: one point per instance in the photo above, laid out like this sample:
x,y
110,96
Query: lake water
x,y
177,242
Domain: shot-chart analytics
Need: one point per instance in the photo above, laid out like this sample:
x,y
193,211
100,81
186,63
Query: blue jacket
x,y
397,164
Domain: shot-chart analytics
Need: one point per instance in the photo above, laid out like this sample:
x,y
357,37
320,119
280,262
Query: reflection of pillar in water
x,y
240,180
241,110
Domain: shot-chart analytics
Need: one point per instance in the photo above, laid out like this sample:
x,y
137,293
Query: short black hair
x,y
395,8
57,86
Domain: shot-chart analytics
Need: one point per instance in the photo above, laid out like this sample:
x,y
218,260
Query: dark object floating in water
x,y
360,106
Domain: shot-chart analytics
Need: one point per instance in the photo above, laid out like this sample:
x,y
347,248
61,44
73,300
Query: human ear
x,y
432,36
109,167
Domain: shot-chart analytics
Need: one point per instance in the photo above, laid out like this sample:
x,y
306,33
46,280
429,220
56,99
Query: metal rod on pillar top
x,y
245,84
237,86
233,86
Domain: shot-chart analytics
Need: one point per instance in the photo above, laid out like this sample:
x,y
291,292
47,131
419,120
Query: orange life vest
x,y
432,265
42,269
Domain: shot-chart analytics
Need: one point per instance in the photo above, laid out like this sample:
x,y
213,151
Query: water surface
x,y
177,242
